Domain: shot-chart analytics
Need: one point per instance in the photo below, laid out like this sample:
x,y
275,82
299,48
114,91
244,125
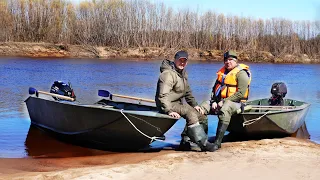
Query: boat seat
x,y
291,103
258,110
125,106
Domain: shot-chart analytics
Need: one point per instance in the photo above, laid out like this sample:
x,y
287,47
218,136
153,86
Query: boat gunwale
x,y
100,106
285,110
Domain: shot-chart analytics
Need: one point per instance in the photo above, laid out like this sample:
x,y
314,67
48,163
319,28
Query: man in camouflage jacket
x,y
172,87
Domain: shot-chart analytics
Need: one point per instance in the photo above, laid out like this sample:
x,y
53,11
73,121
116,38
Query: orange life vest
x,y
226,84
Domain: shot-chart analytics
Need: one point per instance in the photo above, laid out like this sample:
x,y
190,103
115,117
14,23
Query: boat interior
x,y
127,105
265,105
266,102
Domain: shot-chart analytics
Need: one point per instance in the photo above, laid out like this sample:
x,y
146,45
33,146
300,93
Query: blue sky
x,y
265,9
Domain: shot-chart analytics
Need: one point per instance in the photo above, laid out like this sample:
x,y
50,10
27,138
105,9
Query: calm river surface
x,y
134,78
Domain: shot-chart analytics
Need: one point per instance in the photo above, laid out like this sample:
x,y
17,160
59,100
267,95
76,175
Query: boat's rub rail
x,y
108,106
272,107
98,106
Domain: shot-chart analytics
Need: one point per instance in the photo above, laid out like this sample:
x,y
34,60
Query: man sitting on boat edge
x,y
231,87
172,87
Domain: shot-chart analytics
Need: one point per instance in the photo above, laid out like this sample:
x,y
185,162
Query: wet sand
x,y
285,158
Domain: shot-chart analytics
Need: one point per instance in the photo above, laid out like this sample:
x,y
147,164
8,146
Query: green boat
x,y
106,124
264,119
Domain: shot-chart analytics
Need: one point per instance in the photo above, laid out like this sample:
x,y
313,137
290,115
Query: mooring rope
x,y
251,121
154,138
157,128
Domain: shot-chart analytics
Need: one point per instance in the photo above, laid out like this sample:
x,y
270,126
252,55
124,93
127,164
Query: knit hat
x,y
230,54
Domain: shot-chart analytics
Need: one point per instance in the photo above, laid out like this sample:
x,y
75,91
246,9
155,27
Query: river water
x,y
134,78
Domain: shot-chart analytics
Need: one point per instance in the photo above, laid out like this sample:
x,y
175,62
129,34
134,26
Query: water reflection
x,y
40,144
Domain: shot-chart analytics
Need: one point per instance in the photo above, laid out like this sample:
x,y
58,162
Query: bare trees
x,y
6,22
139,23
33,20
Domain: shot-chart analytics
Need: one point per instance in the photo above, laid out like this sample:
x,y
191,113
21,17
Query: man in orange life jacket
x,y
230,89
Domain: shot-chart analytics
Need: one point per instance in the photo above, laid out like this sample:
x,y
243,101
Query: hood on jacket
x,y
169,65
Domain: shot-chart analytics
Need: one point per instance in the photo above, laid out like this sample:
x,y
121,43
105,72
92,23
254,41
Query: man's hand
x,y
214,106
175,115
199,109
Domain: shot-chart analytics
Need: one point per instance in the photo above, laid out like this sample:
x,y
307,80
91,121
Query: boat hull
x,y
270,122
99,126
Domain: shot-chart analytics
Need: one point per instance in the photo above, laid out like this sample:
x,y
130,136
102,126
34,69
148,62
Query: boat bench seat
x,y
291,103
132,107
126,106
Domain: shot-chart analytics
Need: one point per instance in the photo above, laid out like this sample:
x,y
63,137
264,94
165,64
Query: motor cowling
x,y
278,92
61,88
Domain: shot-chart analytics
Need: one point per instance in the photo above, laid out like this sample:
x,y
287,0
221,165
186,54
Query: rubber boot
x,y
198,136
221,129
185,143
204,124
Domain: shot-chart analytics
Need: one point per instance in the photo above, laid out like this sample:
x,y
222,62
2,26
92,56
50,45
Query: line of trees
x,y
140,23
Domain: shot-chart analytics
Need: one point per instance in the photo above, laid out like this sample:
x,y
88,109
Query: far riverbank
x,y
50,50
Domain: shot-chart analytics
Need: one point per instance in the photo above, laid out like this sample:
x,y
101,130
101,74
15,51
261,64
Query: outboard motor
x,y
278,91
61,88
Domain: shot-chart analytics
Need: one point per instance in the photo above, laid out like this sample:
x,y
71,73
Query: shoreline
x,y
50,50
285,158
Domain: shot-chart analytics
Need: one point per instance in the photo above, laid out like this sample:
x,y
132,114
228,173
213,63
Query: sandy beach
x,y
286,158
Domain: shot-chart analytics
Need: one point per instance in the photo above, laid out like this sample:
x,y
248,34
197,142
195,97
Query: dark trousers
x,y
189,113
191,116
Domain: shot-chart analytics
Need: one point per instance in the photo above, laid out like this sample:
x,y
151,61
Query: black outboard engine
x,y
278,91
61,88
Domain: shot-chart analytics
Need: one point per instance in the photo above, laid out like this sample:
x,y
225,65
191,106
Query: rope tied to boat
x,y
251,121
154,138
157,128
